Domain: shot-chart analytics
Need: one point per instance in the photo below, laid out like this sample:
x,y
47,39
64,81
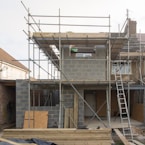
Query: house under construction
x,y
88,75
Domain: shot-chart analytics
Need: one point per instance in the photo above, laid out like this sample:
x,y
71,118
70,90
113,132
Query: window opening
x,y
123,66
44,97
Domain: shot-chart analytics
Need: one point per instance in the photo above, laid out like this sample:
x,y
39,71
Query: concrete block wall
x,y
84,69
22,106
21,101
53,114
53,111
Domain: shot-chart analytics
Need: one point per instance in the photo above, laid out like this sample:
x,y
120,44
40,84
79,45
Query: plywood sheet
x,y
137,112
37,119
29,119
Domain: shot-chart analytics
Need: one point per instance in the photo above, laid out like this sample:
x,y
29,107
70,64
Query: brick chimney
x,y
132,28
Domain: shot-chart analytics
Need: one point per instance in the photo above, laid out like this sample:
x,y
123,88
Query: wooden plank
x,y
70,136
132,54
83,143
137,142
59,130
71,110
76,108
38,119
48,133
70,34
66,118
122,137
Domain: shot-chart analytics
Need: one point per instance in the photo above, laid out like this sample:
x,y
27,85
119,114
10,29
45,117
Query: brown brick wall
x,y
132,28
7,94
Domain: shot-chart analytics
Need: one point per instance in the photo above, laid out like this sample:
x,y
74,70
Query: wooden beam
x,y
137,142
132,54
122,137
70,35
64,136
71,117
66,118
76,109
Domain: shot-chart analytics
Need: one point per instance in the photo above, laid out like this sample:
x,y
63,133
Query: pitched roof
x,y
5,57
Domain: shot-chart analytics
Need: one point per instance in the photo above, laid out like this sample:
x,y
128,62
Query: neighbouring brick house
x,y
10,70
86,62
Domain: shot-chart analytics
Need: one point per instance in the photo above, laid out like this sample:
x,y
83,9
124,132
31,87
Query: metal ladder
x,y
122,103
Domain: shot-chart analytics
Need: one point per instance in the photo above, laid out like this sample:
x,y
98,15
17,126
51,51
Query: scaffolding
x,y
46,57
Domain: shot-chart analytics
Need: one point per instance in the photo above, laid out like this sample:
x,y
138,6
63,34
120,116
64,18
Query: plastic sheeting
x,y
33,140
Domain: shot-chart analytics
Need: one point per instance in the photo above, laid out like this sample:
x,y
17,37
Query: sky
x,y
12,22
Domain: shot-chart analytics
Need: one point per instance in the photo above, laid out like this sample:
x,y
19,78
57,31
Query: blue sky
x,y
12,23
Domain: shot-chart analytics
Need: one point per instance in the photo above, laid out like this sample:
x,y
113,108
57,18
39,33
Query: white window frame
x,y
124,68
83,55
